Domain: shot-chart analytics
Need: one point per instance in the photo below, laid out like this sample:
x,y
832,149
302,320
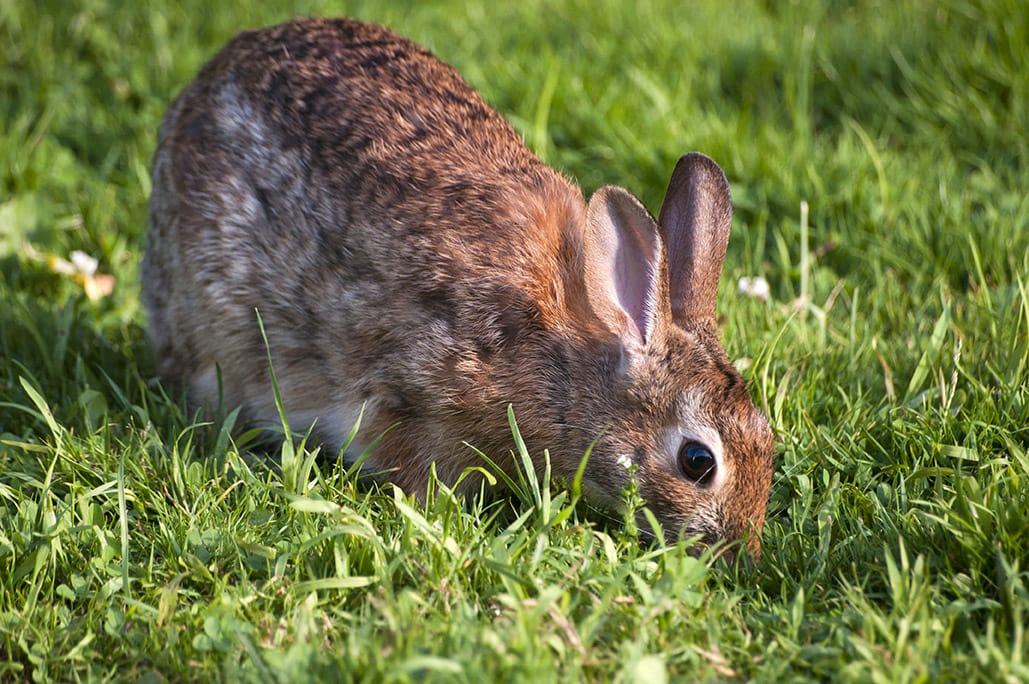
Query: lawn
x,y
877,153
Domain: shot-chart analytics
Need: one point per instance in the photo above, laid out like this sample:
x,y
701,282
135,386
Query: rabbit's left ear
x,y
623,265
695,219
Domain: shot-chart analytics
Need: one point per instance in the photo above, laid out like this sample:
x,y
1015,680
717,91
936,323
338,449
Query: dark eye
x,y
697,462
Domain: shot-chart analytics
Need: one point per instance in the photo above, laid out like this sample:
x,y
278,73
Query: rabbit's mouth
x,y
722,548
697,536
702,538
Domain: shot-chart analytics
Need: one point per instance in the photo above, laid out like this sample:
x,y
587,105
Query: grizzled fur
x,y
410,257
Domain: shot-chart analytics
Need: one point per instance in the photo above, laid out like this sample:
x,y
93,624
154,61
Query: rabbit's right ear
x,y
695,219
623,265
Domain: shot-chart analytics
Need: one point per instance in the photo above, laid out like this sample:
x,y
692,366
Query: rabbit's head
x,y
657,386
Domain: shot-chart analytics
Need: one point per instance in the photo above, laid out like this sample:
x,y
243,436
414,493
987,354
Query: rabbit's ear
x,y
695,219
623,264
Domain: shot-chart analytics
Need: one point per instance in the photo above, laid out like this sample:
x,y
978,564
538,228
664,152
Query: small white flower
x,y
624,461
84,264
756,287
82,268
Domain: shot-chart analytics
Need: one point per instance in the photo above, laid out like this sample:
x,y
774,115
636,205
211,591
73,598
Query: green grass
x,y
893,358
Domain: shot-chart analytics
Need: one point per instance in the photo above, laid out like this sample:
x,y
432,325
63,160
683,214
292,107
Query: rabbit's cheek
x,y
603,487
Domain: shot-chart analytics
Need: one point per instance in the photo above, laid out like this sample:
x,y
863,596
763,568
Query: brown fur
x,y
405,249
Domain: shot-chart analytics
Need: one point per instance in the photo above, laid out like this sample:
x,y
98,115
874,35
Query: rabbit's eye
x,y
697,462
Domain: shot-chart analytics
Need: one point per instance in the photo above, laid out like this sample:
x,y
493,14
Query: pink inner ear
x,y
634,275
623,256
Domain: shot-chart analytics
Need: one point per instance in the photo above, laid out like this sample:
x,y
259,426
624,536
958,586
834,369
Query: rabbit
x,y
416,265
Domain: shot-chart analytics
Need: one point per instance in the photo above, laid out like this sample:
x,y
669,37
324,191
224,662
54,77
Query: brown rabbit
x,y
410,257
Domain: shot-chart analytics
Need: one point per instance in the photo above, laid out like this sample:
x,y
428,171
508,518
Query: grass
x,y
892,357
